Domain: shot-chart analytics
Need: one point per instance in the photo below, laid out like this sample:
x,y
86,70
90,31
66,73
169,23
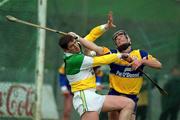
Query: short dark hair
x,y
64,40
118,32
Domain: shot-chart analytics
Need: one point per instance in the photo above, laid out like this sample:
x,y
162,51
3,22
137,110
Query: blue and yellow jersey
x,y
99,74
63,82
122,78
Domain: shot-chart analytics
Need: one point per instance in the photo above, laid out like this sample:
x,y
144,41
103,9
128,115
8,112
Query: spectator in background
x,y
143,102
171,104
68,95
99,75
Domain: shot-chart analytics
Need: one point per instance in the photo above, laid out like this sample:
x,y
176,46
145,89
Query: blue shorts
x,y
133,97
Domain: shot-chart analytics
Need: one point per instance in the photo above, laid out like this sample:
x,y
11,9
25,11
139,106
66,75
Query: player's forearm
x,y
96,32
91,46
152,63
106,59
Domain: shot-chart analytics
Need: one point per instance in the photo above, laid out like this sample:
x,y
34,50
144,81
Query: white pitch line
x,y
3,2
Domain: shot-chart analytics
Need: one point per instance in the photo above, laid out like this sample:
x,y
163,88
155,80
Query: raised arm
x,y
94,34
101,29
152,62
88,44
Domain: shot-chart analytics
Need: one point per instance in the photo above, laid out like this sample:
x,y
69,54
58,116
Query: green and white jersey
x,y
79,69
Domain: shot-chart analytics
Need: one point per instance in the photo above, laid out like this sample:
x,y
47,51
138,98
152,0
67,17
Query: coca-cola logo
x,y
17,100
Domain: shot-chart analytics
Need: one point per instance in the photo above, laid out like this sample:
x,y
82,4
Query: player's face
x,y
73,47
121,39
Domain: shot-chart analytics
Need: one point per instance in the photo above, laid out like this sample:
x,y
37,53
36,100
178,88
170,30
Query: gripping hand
x,y
75,36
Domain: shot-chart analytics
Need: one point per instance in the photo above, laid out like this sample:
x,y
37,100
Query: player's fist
x,y
75,36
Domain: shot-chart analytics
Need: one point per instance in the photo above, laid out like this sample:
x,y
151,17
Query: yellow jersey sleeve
x,y
99,73
106,50
61,69
105,59
150,57
95,33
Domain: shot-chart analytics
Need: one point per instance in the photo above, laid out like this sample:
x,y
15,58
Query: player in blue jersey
x,y
125,78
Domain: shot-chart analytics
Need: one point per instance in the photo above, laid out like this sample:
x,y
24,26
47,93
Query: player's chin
x,y
76,51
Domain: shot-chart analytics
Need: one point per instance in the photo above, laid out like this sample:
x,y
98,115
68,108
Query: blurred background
x,y
153,25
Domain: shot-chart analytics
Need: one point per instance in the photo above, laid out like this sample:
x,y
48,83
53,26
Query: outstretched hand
x,y
110,23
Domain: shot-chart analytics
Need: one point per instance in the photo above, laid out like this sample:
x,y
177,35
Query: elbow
x,y
159,66
156,65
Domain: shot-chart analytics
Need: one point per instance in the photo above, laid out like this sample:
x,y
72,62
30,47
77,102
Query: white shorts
x,y
87,100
